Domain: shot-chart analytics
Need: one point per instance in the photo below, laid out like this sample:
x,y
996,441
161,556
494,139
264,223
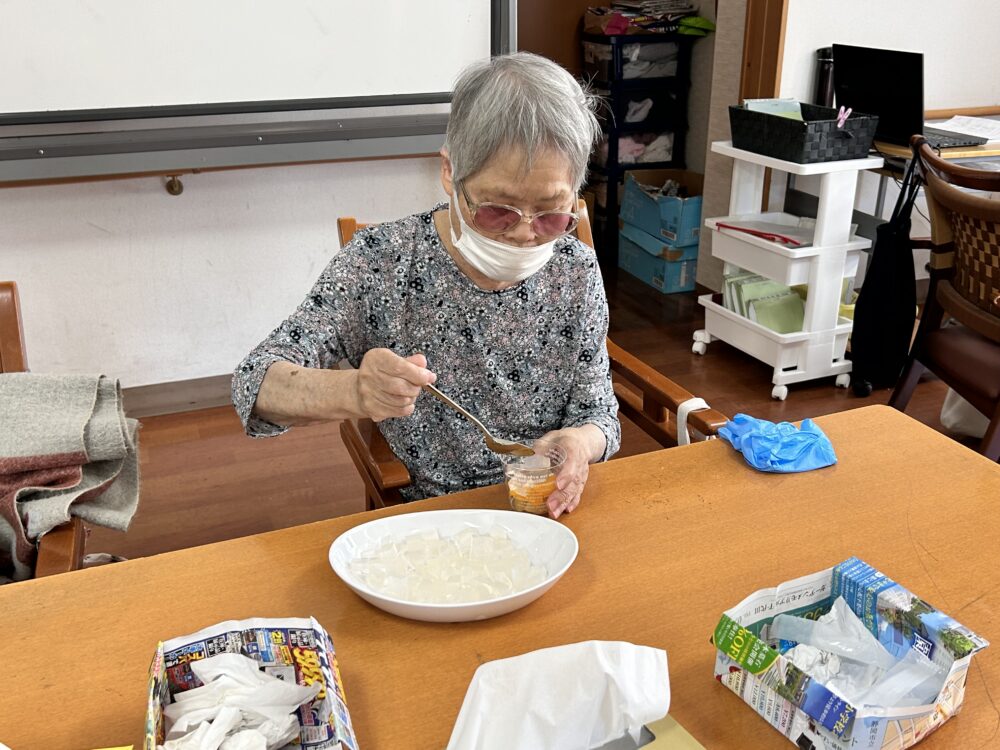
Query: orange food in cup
x,y
531,479
532,497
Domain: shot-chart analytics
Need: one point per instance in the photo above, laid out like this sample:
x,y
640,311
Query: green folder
x,y
748,291
782,314
729,288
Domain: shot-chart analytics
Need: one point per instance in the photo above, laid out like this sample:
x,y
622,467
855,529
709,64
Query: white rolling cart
x,y
817,350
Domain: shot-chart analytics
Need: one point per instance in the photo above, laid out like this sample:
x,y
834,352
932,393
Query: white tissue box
x,y
802,708
294,648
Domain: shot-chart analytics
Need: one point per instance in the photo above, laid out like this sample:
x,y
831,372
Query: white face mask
x,y
495,259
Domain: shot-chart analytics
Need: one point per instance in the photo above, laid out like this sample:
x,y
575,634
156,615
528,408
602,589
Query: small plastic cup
x,y
531,479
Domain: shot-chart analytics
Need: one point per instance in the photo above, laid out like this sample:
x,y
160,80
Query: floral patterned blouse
x,y
525,360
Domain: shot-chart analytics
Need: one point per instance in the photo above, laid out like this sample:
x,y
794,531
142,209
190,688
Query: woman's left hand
x,y
572,477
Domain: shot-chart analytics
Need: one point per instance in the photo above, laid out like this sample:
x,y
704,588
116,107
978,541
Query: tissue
x,y
238,707
914,681
839,651
573,697
839,632
847,679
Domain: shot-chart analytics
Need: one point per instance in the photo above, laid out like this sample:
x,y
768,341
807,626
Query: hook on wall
x,y
174,185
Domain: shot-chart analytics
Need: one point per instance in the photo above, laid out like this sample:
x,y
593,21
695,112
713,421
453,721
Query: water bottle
x,y
824,77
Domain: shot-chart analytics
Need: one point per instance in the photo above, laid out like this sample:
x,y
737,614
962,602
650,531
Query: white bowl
x,y
548,543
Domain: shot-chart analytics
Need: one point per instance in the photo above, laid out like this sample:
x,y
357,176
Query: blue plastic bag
x,y
781,447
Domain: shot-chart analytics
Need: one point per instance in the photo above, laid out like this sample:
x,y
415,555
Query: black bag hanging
x,y
886,308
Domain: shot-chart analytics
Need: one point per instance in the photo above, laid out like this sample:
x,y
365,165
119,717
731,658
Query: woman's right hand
x,y
387,385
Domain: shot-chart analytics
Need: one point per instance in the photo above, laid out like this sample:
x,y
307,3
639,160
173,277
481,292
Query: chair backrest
x,y
61,550
965,229
12,354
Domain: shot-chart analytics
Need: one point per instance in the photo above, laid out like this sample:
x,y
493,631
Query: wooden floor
x,y
204,481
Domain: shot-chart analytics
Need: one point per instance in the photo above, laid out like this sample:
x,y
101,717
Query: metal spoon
x,y
495,444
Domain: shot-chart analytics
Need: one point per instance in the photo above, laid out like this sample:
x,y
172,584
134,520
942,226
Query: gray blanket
x,y
66,449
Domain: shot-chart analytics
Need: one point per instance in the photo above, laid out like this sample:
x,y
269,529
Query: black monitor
x,y
882,82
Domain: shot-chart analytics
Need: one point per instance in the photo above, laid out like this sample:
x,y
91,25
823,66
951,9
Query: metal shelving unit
x,y
671,93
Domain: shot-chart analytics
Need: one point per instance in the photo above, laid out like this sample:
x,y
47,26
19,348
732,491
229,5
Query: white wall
x,y
121,278
959,40
959,62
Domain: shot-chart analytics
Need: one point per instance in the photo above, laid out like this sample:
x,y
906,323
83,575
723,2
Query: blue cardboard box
x,y
669,269
676,220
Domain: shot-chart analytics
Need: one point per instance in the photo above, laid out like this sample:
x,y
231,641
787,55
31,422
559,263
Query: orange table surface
x,y
668,540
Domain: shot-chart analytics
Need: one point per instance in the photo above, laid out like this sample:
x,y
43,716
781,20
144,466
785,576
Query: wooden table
x,y
668,541
897,157
985,151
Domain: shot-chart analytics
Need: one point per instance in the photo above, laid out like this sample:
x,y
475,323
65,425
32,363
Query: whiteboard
x,y
958,38
83,55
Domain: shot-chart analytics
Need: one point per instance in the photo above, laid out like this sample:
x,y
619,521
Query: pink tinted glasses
x,y
497,218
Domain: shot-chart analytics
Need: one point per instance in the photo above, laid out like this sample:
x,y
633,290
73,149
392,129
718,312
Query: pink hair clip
x,y
842,116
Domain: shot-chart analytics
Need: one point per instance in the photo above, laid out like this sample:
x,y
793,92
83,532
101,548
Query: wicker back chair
x,y
965,285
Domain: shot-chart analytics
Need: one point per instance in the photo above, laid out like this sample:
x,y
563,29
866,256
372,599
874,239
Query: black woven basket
x,y
815,138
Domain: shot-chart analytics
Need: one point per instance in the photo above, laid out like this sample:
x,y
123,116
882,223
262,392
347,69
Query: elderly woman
x,y
488,296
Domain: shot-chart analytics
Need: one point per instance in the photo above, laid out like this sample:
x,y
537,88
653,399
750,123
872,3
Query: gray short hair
x,y
520,100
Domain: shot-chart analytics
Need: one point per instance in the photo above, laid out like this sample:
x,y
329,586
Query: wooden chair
x,y
645,397
61,550
965,285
